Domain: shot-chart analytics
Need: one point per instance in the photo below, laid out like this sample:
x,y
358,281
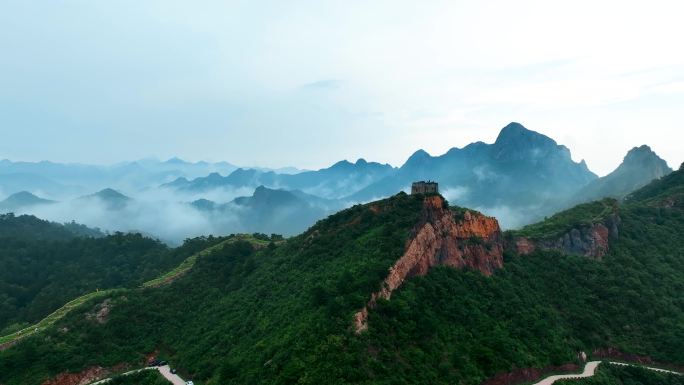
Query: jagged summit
x,y
644,156
639,166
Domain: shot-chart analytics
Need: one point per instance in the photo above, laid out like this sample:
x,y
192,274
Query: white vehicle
x,y
190,383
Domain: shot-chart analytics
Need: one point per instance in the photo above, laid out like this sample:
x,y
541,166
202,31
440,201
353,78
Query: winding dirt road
x,y
590,370
173,378
164,370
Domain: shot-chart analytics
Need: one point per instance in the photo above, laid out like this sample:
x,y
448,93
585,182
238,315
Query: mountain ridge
x,y
536,311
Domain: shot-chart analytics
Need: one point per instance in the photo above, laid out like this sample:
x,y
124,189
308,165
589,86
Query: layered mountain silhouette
x,y
640,166
521,177
521,171
272,210
341,179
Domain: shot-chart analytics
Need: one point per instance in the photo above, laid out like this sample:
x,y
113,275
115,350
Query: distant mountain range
x,y
521,169
335,182
522,177
61,180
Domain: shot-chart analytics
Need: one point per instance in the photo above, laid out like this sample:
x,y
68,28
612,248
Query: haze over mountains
x,y
521,177
405,290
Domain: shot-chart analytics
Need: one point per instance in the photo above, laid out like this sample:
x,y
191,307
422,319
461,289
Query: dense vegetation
x,y
144,377
580,215
45,265
626,375
282,314
32,228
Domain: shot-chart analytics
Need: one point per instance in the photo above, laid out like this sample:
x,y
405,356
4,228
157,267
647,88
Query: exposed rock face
x,y
589,241
526,375
472,241
100,313
81,378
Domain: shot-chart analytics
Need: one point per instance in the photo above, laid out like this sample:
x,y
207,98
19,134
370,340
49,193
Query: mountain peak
x,y
417,159
515,142
644,156
175,160
23,195
342,164
640,152
23,198
110,194
515,133
418,156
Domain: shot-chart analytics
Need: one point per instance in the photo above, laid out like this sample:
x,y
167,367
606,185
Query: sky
x,y
308,83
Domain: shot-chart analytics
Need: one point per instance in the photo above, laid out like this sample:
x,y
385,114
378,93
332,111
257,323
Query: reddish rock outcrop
x,y
615,354
589,240
472,241
81,378
525,375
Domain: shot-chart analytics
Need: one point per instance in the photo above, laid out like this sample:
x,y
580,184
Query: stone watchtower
x,y
424,187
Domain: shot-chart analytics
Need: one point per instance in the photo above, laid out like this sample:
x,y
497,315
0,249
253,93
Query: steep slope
x,y
284,314
640,166
439,239
585,230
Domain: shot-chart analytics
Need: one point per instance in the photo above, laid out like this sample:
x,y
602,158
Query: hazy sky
x,y
306,83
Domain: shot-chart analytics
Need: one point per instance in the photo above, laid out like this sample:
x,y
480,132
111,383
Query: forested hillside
x,y
45,265
283,314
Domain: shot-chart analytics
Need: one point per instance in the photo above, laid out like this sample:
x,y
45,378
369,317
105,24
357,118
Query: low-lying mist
x,y
160,213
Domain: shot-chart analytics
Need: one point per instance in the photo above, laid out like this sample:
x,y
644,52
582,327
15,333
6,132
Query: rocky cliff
x,y
442,237
591,240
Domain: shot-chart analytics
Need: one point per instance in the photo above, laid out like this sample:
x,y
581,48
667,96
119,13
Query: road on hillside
x,y
173,378
590,370
164,370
